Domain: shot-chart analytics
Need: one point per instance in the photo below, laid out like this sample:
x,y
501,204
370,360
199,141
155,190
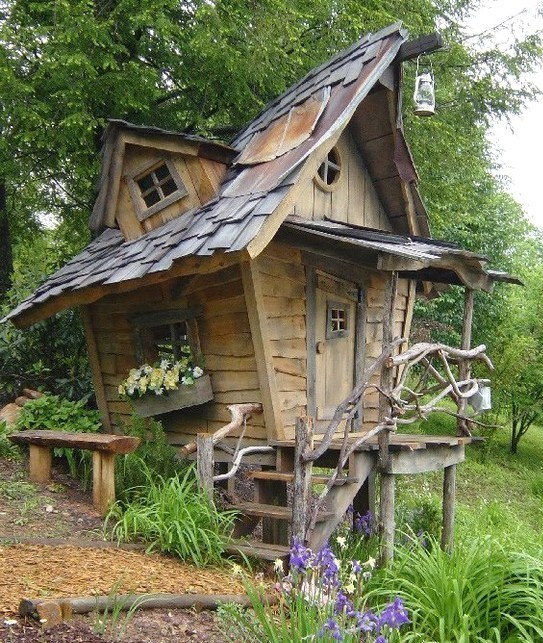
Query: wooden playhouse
x,y
288,260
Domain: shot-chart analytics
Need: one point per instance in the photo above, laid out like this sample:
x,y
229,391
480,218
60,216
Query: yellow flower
x,y
171,380
155,379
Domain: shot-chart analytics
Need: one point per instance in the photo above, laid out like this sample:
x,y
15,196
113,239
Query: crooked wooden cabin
x,y
288,260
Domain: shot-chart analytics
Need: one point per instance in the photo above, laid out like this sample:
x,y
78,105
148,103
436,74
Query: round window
x,y
330,169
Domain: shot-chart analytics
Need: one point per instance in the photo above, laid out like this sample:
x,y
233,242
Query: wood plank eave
x,y
435,458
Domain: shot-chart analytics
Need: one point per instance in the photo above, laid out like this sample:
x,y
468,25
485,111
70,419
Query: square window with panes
x,y
337,320
156,187
167,335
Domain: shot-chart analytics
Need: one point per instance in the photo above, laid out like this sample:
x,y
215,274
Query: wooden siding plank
x,y
283,307
281,328
94,359
254,291
288,348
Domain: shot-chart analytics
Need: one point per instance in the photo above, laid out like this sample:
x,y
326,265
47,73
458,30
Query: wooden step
x,y
289,477
273,511
257,549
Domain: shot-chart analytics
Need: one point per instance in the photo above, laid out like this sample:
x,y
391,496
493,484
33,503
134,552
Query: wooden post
x,y
364,500
302,479
387,517
40,464
449,490
387,374
204,462
360,350
387,492
462,427
103,480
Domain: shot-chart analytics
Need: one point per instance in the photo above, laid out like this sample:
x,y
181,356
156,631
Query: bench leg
x,y
40,464
103,480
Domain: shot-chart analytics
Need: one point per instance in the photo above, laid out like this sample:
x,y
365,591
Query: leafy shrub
x,y
58,414
174,517
154,451
52,355
481,592
7,449
424,518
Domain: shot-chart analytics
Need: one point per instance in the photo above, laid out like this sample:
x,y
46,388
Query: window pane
x,y
145,182
162,172
151,198
169,187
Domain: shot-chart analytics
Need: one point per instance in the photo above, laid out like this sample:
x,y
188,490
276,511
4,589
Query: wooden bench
x,y
104,448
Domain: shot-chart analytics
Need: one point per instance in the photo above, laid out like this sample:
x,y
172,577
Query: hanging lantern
x,y
424,96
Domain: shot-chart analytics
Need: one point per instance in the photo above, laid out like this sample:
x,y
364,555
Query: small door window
x,y
337,320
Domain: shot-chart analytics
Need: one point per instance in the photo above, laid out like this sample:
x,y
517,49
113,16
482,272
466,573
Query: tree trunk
x,y
6,254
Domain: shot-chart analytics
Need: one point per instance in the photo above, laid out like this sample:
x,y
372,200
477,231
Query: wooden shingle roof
x,y
252,201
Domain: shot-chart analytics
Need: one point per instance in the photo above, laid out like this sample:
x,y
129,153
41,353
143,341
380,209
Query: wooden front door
x,y
335,331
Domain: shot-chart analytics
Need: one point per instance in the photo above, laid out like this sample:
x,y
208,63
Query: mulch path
x,y
41,571
53,522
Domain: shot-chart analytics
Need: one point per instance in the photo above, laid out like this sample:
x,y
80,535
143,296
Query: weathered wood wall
x,y
225,340
353,199
283,281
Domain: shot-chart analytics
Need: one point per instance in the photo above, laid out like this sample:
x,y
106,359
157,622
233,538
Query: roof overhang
x,y
417,258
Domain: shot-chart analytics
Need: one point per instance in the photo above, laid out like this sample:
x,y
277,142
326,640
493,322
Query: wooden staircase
x,y
271,506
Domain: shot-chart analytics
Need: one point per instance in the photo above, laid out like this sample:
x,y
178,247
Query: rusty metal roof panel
x,y
286,132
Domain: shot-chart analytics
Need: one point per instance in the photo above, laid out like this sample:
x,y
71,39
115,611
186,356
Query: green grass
x,y
483,592
498,493
173,516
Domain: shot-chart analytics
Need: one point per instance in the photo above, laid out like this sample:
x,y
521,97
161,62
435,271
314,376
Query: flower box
x,y
180,398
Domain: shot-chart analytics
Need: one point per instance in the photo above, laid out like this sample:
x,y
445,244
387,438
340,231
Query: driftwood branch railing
x,y
205,444
404,405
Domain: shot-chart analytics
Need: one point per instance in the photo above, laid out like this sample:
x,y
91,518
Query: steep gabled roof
x,y
295,131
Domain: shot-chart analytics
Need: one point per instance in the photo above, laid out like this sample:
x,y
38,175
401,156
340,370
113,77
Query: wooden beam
x,y
302,479
311,342
40,464
462,427
117,444
435,458
96,369
360,350
421,45
254,298
103,480
387,522
204,462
